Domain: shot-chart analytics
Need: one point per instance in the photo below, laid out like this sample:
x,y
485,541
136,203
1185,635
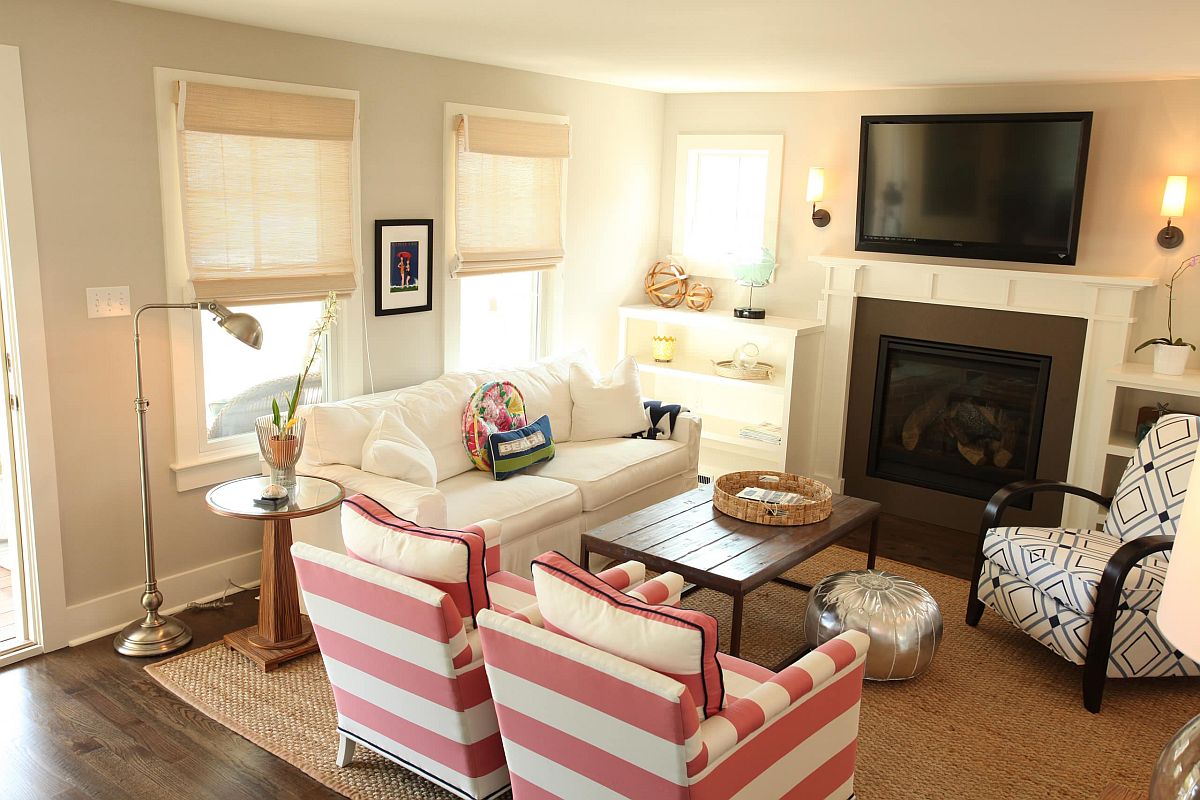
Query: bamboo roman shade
x,y
508,194
267,191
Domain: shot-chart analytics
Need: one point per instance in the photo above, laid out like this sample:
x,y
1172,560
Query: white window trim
x,y
550,299
684,143
198,462
41,538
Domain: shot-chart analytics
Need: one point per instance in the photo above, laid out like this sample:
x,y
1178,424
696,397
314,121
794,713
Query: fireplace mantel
x,y
1106,302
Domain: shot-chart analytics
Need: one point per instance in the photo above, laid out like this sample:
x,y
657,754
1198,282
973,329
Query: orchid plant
x,y
322,327
1170,339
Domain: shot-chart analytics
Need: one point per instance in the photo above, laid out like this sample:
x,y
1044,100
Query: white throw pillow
x,y
394,451
609,407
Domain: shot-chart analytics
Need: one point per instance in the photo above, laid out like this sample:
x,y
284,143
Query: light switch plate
x,y
108,301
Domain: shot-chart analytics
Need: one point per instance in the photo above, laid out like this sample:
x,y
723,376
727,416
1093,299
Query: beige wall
x,y
1141,133
87,68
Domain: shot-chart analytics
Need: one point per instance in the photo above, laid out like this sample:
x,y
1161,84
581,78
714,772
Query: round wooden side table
x,y
281,633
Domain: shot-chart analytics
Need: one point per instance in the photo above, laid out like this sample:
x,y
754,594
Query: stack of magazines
x,y
763,432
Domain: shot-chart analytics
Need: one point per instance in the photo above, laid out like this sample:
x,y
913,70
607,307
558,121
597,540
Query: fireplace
x,y
956,418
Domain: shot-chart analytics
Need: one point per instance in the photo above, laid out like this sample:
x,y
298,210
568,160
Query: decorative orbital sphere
x,y
666,284
699,297
901,617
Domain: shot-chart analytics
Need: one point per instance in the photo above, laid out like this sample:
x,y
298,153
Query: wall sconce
x,y
1174,197
816,193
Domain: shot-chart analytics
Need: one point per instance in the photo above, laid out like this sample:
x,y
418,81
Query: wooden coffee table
x,y
712,550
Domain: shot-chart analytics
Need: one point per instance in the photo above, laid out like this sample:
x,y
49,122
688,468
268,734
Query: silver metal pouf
x,y
902,619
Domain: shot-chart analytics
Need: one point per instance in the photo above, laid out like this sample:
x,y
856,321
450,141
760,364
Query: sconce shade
x,y
1174,196
816,185
1181,591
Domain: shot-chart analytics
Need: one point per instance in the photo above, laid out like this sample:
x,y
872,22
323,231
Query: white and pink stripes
x,y
581,723
407,678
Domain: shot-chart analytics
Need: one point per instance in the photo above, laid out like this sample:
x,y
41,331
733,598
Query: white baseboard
x,y
102,616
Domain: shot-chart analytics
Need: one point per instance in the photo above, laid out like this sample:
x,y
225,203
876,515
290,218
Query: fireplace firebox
x,y
956,418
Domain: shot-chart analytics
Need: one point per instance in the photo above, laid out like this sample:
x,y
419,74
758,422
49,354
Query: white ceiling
x,y
761,45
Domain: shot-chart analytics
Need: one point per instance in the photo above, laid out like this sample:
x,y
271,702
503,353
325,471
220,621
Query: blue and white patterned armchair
x,y
1092,596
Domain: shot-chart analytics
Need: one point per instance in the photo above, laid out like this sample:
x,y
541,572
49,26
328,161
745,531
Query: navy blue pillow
x,y
517,450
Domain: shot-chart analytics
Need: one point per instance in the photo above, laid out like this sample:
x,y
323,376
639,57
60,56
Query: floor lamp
x,y
154,634
1177,774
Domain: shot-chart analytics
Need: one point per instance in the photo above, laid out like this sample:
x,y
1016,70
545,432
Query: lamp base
x,y
1170,237
1177,774
153,635
750,312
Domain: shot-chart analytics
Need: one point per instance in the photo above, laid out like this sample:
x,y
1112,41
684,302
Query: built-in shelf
x,y
717,318
1122,444
726,432
1142,376
694,370
791,346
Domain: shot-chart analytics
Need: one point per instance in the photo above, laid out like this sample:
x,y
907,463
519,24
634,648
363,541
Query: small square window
x,y
726,200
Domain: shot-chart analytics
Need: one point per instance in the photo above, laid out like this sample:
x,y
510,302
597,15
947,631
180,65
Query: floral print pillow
x,y
494,407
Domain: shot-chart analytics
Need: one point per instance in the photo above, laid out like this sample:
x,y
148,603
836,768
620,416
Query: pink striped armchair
x,y
407,673
578,723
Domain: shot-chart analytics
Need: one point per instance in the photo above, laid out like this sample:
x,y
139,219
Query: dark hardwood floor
x,y
84,722
921,544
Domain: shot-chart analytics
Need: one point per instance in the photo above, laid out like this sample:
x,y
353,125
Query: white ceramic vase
x,y
1170,359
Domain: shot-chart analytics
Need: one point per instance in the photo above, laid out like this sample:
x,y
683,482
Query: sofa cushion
x,y
335,433
676,642
394,451
513,452
494,406
546,387
450,560
523,504
433,411
605,470
609,406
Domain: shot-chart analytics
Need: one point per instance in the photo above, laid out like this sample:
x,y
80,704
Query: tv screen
x,y
997,186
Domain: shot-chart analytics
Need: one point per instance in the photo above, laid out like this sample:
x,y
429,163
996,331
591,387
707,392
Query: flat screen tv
x,y
1007,187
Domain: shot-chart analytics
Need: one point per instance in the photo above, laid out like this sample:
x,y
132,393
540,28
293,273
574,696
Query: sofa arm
x,y
687,427
421,504
822,686
687,430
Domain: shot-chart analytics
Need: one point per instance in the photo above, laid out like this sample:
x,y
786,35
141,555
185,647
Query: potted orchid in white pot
x,y
1171,353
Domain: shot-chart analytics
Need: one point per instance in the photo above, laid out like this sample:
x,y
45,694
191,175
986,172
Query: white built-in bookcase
x,y
788,399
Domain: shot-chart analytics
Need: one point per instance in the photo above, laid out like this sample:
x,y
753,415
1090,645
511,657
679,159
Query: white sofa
x,y
586,484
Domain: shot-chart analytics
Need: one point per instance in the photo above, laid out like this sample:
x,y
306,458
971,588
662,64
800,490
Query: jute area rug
x,y
996,716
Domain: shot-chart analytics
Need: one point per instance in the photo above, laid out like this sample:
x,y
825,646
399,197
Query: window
x,y
507,303
726,200
240,382
505,177
260,212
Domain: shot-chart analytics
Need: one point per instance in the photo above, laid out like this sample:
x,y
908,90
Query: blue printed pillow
x,y
518,450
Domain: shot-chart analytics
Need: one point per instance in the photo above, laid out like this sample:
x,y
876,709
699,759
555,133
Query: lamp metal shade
x,y
816,185
245,328
1181,591
1174,196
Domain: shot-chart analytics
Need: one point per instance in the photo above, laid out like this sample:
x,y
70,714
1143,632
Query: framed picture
x,y
403,266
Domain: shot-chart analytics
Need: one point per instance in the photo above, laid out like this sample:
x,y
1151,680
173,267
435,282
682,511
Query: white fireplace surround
x,y
1105,302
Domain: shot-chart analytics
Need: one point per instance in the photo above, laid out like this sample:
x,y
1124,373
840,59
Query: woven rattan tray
x,y
759,372
817,506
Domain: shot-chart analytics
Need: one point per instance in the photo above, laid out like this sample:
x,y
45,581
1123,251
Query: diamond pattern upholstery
x,y
1149,498
1066,564
1045,580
